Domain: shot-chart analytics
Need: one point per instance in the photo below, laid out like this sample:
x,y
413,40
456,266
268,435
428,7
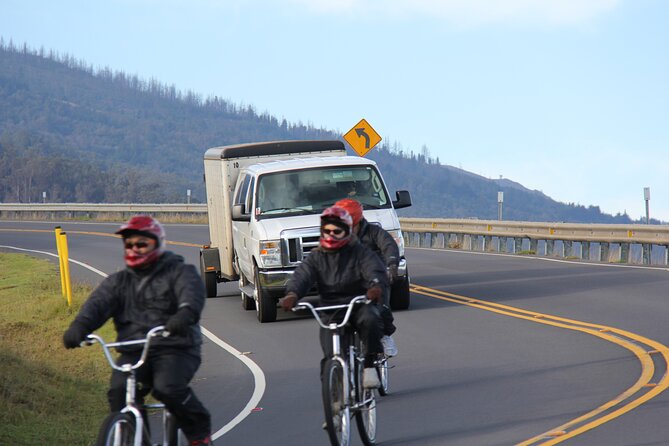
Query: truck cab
x,y
275,194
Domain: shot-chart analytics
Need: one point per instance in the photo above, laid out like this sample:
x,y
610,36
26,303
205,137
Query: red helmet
x,y
337,216
143,225
353,207
149,227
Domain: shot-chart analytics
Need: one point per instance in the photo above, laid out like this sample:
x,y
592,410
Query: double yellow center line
x,y
647,351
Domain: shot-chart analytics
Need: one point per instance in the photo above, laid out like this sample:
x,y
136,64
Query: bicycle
x,y
343,393
127,427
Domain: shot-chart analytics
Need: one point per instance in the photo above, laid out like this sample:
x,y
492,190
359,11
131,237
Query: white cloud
x,y
471,12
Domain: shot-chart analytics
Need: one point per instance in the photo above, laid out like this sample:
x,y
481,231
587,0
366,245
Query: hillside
x,y
97,135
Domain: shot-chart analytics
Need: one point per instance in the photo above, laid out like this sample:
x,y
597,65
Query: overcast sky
x,y
570,97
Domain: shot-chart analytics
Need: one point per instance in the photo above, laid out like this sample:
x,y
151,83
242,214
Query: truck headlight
x,y
399,239
270,253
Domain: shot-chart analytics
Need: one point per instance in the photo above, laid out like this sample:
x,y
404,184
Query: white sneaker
x,y
389,347
370,378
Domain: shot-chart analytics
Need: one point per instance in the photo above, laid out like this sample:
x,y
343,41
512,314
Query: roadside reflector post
x,y
61,268
66,268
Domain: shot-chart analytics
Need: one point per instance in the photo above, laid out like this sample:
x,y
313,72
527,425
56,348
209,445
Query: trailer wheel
x,y
265,303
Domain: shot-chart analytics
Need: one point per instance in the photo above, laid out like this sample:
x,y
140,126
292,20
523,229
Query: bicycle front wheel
x,y
118,429
337,412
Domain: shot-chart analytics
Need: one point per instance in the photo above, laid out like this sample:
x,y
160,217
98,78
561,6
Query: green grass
x,y
48,395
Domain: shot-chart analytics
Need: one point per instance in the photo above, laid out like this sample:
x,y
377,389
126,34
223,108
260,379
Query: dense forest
x,y
84,134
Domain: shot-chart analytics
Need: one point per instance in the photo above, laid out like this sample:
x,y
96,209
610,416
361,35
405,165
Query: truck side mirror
x,y
239,213
403,199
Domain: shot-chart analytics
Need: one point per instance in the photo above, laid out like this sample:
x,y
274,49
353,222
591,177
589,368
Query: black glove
x,y
392,273
288,301
374,294
180,321
75,335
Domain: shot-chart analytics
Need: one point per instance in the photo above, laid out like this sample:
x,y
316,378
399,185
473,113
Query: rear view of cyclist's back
x,y
156,288
343,268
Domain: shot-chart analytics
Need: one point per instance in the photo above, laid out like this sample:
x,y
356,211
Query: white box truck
x,y
264,203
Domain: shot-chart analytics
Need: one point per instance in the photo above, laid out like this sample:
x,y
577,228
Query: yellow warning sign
x,y
362,137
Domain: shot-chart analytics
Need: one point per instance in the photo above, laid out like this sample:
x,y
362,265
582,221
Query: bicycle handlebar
x,y
332,326
107,346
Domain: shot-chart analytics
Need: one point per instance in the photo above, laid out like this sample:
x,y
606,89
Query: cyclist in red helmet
x,y
156,288
343,268
382,243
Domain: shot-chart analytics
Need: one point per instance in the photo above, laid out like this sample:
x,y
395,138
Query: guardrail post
x,y
585,250
487,243
624,252
434,240
604,252
517,245
666,254
646,249
550,247
534,246
467,242
503,244
568,248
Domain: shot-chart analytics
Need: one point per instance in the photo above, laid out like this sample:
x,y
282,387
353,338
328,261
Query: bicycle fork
x,y
130,406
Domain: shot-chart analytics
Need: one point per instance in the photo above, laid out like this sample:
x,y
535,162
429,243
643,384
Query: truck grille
x,y
297,243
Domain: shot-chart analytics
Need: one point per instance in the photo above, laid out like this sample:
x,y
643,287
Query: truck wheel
x,y
265,303
210,282
400,296
247,301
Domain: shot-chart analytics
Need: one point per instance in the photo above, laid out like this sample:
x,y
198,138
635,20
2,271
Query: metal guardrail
x,y
98,207
646,244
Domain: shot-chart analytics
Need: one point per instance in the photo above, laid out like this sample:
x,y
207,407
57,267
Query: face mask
x,y
333,243
136,260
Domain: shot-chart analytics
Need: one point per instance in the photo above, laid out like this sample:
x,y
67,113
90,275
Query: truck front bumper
x,y
275,281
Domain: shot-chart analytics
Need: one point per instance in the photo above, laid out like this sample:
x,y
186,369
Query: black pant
x,y
367,321
386,314
167,373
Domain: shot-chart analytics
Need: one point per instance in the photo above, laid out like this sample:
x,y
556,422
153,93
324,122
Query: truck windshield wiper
x,y
285,210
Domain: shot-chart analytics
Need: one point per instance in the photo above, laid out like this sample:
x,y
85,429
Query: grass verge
x,y
48,395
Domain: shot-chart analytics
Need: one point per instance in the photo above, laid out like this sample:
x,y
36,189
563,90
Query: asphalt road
x,y
473,369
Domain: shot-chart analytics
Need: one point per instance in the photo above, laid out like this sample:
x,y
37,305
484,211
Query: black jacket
x,y
340,275
139,301
380,241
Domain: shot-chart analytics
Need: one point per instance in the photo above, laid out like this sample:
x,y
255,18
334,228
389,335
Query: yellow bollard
x,y
66,268
58,231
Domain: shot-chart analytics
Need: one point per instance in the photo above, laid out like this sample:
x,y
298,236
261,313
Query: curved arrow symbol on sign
x,y
361,132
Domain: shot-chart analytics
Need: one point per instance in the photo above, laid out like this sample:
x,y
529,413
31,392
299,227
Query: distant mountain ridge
x,y
93,135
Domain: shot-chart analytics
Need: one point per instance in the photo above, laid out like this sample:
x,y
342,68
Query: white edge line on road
x,y
258,375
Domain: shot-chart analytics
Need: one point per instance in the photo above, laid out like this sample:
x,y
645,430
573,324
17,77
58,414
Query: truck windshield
x,y
310,191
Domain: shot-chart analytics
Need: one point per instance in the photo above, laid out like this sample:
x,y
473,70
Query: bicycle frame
x,y
129,370
350,360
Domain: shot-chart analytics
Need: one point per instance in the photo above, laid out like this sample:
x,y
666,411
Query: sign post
x,y
500,201
646,196
362,137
